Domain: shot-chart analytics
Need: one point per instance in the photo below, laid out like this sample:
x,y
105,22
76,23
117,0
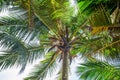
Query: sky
x,y
13,74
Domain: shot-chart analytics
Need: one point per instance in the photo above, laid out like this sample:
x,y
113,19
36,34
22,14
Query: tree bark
x,y
31,15
65,65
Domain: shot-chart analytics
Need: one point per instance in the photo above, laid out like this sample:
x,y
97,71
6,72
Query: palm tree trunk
x,y
65,65
31,16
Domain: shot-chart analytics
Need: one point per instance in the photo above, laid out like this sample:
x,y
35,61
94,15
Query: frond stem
x,y
107,46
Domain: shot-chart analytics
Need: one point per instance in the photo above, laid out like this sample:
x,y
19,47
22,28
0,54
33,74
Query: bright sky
x,y
11,74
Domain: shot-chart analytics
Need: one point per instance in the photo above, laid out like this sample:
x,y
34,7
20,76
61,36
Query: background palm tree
x,y
104,22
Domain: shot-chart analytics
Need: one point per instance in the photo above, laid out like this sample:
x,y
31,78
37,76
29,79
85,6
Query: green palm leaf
x,y
19,43
98,70
46,66
12,15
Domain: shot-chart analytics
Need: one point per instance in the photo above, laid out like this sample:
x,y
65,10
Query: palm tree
x,y
64,36
57,39
67,39
55,15
105,23
62,33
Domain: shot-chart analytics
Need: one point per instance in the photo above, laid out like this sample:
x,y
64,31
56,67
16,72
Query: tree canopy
x,y
60,31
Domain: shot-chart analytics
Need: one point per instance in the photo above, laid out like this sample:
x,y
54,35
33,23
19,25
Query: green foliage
x,y
100,15
83,5
41,70
98,70
11,16
64,13
17,45
43,10
58,29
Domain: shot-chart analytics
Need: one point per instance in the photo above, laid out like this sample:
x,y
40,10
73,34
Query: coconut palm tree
x,y
105,21
64,36
57,38
56,15
67,39
56,42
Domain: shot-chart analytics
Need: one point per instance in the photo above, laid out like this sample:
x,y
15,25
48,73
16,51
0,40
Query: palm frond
x,y
59,77
64,13
21,42
46,66
109,45
98,70
84,4
45,17
100,18
115,16
8,60
11,14
53,13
